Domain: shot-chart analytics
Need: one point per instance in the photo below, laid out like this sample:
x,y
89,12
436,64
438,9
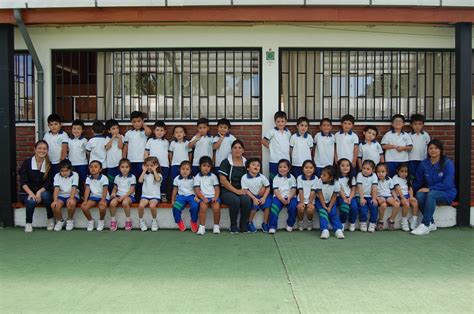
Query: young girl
x,y
346,200
151,193
404,191
284,192
183,194
326,203
257,187
386,195
367,195
158,146
123,193
66,192
96,194
178,150
307,184
206,188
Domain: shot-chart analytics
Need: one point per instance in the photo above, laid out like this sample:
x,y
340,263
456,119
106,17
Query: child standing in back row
x,y
420,139
397,144
157,146
78,153
347,141
301,146
57,141
278,141
222,143
96,145
178,150
325,146
202,144
113,146
370,148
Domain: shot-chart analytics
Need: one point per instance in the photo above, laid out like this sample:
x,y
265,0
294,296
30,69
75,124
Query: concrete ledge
x,y
445,216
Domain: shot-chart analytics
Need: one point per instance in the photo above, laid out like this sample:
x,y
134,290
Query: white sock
x,y
415,218
404,219
112,218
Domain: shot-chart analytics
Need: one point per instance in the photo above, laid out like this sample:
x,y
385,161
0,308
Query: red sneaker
x,y
181,226
194,227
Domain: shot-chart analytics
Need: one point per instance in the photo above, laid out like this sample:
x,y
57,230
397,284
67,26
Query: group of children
x,y
109,170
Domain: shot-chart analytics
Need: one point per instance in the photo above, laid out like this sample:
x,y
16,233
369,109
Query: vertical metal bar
x,y
357,86
442,85
241,82
340,84
288,80
434,86
233,85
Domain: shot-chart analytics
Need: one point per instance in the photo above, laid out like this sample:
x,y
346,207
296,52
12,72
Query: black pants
x,y
237,204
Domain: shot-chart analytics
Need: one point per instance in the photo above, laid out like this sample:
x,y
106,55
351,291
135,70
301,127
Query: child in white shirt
x,y
201,143
57,141
277,140
178,150
183,195
370,148
151,193
158,147
397,144
301,146
66,192
222,143
386,195
307,184
325,143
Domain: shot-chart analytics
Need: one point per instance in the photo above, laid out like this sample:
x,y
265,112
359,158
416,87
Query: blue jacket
x,y
431,176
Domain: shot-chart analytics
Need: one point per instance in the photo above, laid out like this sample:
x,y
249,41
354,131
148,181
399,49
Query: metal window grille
x,y
171,85
24,81
369,84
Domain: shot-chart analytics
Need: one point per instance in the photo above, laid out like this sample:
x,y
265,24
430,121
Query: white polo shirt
x,y
324,155
402,183
97,186
367,183
207,184
345,143
254,184
77,151
329,190
151,188
96,148
224,150
301,145
385,187
114,154
55,143
203,147
420,146
399,139
124,184
65,184
344,184
158,148
279,144
307,185
180,151
136,141
185,185
370,151
284,184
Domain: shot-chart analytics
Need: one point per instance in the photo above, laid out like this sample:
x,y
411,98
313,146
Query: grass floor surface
x,y
296,272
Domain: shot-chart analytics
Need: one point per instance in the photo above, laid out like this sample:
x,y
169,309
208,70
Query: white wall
x,y
265,36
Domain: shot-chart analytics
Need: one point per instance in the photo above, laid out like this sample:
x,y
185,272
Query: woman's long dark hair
x,y
442,157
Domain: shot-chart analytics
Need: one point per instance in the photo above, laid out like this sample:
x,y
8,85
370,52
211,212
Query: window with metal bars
x,y
24,81
171,85
370,84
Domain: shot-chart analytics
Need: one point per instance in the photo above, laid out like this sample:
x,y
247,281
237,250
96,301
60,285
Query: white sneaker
x,y
100,225
69,225
405,226
309,225
201,230
143,226
59,225
28,228
352,227
301,225
363,227
289,229
154,225
339,234
325,234
414,223
433,227
421,230
90,225
50,226
371,227
272,231
216,229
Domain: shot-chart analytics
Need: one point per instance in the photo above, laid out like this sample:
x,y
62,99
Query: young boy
x,y
301,146
78,153
66,183
347,141
222,142
397,144
134,146
277,140
325,146
113,146
370,148
201,143
158,146
420,139
57,141
96,145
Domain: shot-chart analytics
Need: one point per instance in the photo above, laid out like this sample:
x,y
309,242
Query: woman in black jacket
x,y
36,184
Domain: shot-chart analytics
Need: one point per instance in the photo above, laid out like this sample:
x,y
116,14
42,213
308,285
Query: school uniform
x,y
254,184
180,152
284,184
123,184
301,151
136,141
345,143
403,184
347,211
78,158
385,188
324,155
96,147
367,183
325,217
203,147
207,184
65,185
370,151
96,187
392,157
279,148
185,197
114,154
55,145
224,150
419,151
307,186
151,189
158,147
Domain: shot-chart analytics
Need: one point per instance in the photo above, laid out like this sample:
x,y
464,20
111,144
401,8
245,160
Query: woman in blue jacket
x,y
434,183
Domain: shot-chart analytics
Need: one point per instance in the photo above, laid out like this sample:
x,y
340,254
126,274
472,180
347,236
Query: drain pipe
x,y
39,71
